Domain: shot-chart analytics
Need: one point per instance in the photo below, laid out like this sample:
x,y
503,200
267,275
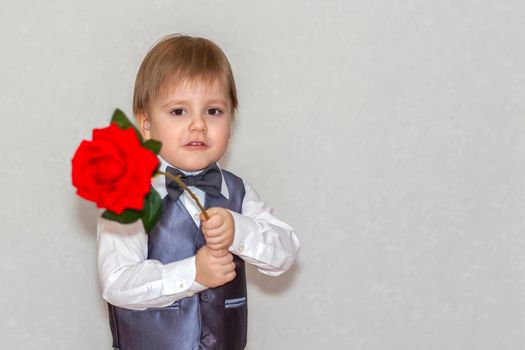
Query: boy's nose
x,y
198,124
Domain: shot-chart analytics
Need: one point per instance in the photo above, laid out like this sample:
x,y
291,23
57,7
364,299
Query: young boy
x,y
183,286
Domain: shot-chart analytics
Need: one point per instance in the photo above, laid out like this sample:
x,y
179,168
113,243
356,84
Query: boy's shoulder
x,y
227,173
230,177
234,183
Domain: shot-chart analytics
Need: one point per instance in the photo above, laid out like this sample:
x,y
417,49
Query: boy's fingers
x,y
213,241
212,211
217,254
214,232
227,258
212,222
230,267
220,256
230,275
218,247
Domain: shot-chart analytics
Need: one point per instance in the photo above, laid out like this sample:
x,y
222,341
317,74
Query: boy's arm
x,y
131,281
261,239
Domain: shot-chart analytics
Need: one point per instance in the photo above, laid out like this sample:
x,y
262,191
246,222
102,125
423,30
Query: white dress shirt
x,y
130,280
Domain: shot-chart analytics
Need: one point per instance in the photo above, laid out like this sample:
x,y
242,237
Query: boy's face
x,y
192,120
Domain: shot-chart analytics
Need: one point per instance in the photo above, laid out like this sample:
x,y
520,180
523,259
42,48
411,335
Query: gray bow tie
x,y
209,180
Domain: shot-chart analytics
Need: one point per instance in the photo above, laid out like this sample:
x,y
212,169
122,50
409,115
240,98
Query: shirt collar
x,y
159,182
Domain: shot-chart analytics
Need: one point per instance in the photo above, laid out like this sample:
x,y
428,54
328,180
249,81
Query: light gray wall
x,y
388,133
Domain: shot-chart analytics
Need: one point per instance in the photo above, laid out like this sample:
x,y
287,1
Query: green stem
x,y
183,185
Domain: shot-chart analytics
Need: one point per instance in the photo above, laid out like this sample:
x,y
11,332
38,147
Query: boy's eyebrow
x,y
210,101
173,102
219,101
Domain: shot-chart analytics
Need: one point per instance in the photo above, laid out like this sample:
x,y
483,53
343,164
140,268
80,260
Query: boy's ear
x,y
144,124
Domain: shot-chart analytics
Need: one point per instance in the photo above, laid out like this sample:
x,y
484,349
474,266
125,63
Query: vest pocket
x,y
234,303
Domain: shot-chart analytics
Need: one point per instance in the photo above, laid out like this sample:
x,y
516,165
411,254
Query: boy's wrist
x,y
196,287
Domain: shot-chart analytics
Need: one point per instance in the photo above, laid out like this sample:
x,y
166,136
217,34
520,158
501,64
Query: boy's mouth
x,y
196,145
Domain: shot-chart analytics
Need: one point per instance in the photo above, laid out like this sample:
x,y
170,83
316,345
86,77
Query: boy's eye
x,y
214,111
178,111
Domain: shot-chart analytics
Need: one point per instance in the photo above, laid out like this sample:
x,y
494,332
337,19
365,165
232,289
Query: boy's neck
x,y
185,172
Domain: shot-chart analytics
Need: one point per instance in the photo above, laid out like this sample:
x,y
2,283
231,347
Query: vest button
x,y
206,296
209,340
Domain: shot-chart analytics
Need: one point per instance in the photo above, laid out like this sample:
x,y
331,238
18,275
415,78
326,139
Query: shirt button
x,y
196,216
209,340
190,294
241,248
181,284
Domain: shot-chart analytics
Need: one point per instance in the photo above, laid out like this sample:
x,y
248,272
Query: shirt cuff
x,y
196,287
178,276
244,228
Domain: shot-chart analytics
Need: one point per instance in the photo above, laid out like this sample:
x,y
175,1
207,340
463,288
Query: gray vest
x,y
213,319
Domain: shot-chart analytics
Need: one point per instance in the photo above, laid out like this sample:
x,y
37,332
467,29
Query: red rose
x,y
114,170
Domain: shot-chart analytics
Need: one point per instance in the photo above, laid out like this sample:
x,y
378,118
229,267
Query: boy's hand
x,y
213,271
218,230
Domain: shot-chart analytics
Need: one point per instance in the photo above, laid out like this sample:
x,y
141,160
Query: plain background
x,y
390,134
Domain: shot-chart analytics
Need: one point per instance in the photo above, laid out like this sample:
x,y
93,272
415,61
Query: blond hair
x,y
177,58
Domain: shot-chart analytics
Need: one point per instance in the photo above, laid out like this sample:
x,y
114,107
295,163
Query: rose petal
x,y
114,170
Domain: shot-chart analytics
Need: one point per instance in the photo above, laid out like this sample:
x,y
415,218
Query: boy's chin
x,y
194,167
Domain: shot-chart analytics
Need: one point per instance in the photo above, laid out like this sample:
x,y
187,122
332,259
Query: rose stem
x,y
183,185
